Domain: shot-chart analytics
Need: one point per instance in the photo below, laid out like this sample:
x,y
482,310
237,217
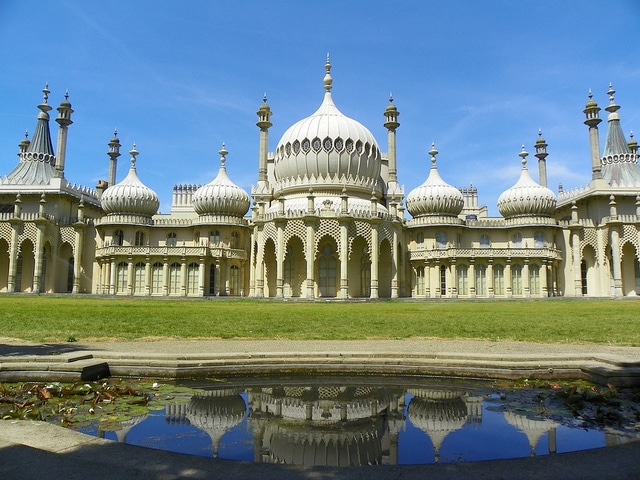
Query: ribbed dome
x,y
221,196
526,197
130,196
327,148
434,196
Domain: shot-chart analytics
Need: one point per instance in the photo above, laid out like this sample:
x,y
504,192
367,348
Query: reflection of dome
x,y
221,196
130,196
126,426
533,428
327,149
526,197
434,196
216,412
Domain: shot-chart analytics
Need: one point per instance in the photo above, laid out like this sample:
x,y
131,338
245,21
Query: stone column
x,y
544,286
130,285
165,277
526,286
472,278
344,260
375,247
112,277
201,277
507,279
394,265
147,276
280,260
310,259
490,285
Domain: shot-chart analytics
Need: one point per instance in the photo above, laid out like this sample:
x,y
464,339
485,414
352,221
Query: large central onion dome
x,y
434,196
221,196
526,197
327,149
131,197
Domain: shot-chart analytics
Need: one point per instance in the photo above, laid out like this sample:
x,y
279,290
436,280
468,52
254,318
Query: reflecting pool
x,y
366,420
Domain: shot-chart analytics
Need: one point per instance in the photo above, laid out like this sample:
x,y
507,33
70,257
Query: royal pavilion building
x,y
326,219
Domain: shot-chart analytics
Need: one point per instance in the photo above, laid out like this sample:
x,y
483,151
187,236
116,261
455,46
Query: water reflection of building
x,y
440,412
215,412
326,425
125,427
534,429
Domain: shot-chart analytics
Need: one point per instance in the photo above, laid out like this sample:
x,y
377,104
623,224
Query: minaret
x,y
264,123
24,144
541,153
64,120
114,153
633,145
591,111
391,113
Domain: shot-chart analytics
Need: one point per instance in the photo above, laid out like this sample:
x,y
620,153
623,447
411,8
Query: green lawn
x,y
59,318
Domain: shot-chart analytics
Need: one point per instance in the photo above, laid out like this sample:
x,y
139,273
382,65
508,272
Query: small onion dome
x,y
434,196
221,196
130,196
526,197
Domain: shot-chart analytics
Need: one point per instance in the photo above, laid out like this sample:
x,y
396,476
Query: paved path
x,y
33,449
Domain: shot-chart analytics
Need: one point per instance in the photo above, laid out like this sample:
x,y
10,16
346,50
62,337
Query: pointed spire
x,y
433,152
223,156
523,155
541,154
134,153
44,106
612,108
328,81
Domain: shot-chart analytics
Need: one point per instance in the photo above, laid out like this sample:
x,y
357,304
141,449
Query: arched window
x,y
498,279
516,279
156,278
443,281
121,277
212,279
420,281
517,240
534,279
538,240
289,271
70,274
172,239
441,240
327,271
214,237
139,240
234,280
175,279
420,240
235,240
481,280
365,274
118,238
583,276
192,278
139,279
484,241
463,280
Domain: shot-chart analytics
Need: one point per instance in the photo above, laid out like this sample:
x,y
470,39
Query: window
x,y
156,278
212,280
139,240
139,277
420,240
517,241
463,280
328,268
538,240
70,274
174,279
498,280
516,279
365,274
534,279
172,239
234,280
443,280
289,271
192,278
420,281
118,238
121,277
481,280
441,240
214,237
484,241
583,276
235,240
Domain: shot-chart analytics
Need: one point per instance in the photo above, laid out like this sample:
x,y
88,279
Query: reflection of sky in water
x,y
492,438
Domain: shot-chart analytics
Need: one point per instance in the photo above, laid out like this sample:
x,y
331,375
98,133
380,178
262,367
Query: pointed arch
x,y
327,267
385,271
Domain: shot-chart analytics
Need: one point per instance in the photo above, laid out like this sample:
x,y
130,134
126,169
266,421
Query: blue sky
x,y
478,78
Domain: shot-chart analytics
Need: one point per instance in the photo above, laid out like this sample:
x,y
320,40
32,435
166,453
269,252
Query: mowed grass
x,y
60,318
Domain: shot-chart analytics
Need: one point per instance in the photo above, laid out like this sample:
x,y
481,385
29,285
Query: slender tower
x,y
391,114
541,153
591,111
114,153
264,123
64,120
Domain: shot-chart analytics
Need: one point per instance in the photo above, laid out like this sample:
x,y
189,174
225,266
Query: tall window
x,y
70,274
139,279
420,240
481,280
214,237
192,278
441,240
517,240
289,271
118,238
121,277
484,241
443,280
175,278
365,274
235,240
463,280
583,276
420,281
156,278
212,280
538,240
234,280
327,267
498,279
139,240
534,279
516,279
172,239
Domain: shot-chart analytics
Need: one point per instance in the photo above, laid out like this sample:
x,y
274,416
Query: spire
x,y
114,153
433,152
328,81
41,142
223,156
134,153
64,120
523,155
264,123
591,111
541,154
615,144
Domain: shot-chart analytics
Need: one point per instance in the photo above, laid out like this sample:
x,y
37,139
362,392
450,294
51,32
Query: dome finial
x,y
223,155
327,78
523,155
134,153
390,97
612,107
433,152
264,97
44,106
